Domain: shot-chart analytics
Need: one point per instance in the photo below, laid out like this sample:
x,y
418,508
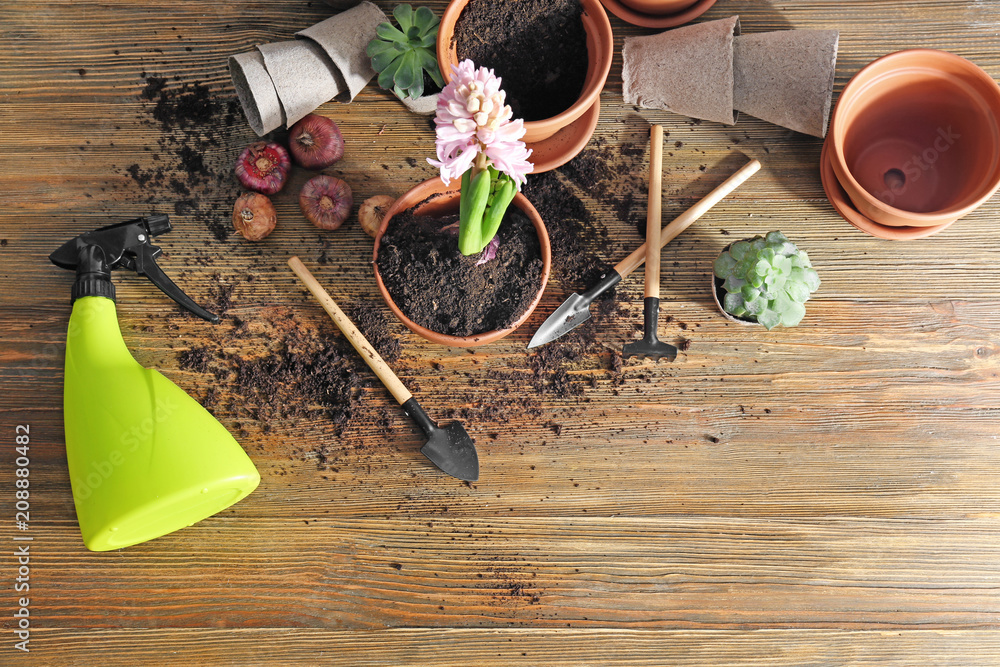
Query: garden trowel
x,y
448,447
576,309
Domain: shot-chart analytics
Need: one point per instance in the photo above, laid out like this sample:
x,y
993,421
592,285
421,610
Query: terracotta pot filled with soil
x,y
915,139
444,296
553,55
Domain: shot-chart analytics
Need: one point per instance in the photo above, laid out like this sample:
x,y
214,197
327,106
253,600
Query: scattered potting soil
x,y
509,583
538,48
571,228
576,264
297,375
373,326
614,177
440,289
551,364
220,296
195,123
275,373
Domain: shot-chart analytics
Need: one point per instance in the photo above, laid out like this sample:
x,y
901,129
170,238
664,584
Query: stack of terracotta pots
x,y
914,144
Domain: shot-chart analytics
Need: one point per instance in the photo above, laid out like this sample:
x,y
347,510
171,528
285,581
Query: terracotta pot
x,y
658,7
915,138
434,198
600,47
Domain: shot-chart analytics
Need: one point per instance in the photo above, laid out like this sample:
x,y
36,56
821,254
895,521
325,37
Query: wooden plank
x,y
554,572
432,647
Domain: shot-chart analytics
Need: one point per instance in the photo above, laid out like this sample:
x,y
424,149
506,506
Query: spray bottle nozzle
x,y
93,255
158,224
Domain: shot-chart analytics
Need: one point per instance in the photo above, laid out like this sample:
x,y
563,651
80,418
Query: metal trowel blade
x,y
452,450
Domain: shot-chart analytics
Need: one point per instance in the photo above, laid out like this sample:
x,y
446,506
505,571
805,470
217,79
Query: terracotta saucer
x,y
845,207
565,144
657,21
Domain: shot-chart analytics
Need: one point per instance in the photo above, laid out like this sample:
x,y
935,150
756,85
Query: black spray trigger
x,y
145,265
124,245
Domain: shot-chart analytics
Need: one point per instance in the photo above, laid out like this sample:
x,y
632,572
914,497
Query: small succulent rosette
x,y
766,279
403,55
479,142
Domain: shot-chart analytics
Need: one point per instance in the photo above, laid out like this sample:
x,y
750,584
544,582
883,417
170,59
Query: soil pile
x,y
296,374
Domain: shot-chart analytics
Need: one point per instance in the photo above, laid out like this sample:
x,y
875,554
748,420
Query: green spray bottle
x,y
145,459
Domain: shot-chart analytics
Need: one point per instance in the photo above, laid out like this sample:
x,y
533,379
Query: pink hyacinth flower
x,y
472,119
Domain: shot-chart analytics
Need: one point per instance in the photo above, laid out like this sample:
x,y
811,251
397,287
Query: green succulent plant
x,y
766,280
402,55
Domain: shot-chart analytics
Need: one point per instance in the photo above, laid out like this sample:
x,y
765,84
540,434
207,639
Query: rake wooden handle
x,y
684,220
653,212
357,339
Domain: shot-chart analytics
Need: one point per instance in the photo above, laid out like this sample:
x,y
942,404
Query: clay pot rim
x,y
430,190
856,88
600,52
656,7
644,20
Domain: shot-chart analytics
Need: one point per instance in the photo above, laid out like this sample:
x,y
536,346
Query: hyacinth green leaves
x,y
485,198
402,55
766,280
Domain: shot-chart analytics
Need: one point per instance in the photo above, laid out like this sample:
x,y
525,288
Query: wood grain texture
x,y
824,495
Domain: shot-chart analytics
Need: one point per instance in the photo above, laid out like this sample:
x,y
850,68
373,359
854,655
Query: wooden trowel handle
x,y
653,213
684,220
357,339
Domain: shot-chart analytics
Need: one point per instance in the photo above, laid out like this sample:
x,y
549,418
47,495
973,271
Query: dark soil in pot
x,y
538,48
440,289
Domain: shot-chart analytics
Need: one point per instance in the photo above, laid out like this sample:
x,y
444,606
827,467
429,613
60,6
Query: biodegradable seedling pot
x,y
290,64
344,38
915,138
256,92
425,105
434,198
716,291
600,47
281,82
786,77
773,279
688,71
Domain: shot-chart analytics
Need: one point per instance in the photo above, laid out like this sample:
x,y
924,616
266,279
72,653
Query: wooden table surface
x,y
824,495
